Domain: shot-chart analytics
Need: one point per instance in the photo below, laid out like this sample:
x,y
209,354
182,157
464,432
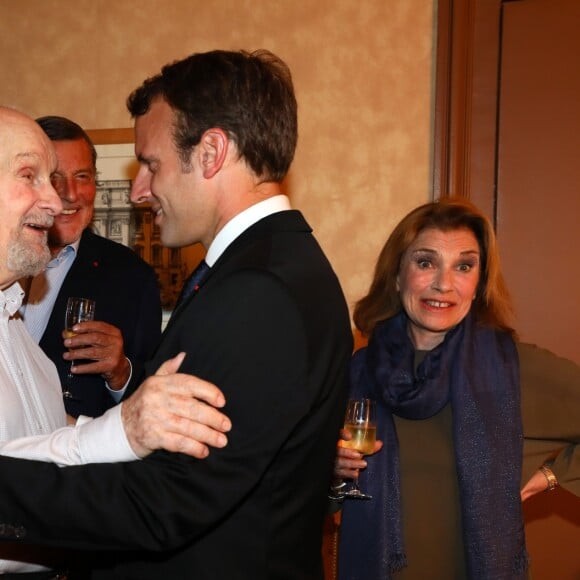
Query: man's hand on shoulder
x,y
176,412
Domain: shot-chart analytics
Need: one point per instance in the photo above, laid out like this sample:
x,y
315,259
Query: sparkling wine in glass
x,y
77,310
360,422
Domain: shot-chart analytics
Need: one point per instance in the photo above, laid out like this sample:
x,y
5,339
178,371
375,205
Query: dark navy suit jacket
x,y
269,326
127,296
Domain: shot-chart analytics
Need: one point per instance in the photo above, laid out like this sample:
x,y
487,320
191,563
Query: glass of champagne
x,y
360,422
77,310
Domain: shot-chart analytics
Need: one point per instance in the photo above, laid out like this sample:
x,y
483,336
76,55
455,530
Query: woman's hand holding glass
x,y
357,440
349,462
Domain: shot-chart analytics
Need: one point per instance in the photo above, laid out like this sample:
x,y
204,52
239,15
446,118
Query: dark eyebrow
x,y
425,250
431,251
146,160
58,171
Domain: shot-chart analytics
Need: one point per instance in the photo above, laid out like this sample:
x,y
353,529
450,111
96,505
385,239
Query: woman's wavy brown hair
x,y
492,305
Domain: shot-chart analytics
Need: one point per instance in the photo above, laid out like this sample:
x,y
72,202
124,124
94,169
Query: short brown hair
x,y
248,95
63,129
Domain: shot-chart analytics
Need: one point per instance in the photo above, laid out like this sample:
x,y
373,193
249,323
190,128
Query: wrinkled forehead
x,y
21,139
450,233
462,240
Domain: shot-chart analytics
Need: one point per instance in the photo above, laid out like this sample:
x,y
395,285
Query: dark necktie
x,y
192,283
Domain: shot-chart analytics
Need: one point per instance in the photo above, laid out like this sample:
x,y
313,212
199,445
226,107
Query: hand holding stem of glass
x,y
77,310
360,422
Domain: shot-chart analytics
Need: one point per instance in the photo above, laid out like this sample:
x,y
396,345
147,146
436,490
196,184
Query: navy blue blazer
x,y
127,296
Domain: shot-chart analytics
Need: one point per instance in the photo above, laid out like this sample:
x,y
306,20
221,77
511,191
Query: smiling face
x,y
75,183
28,202
437,282
184,212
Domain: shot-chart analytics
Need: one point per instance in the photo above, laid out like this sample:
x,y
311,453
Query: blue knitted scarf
x,y
476,370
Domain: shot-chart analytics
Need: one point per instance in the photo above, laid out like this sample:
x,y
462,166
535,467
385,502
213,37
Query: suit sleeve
x,y
249,339
551,413
143,338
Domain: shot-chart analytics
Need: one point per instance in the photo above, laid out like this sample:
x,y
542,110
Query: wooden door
x,y
538,212
507,135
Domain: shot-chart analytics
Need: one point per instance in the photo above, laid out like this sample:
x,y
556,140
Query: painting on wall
x,y
116,218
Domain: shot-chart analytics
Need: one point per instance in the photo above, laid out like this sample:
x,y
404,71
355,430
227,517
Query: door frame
x,y
465,123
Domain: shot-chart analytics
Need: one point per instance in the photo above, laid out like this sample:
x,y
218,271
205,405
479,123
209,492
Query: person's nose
x,y
50,200
141,188
442,282
67,189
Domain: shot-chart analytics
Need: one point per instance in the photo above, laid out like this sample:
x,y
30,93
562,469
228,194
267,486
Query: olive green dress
x,y
550,389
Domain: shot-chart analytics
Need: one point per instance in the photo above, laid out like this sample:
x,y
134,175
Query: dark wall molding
x,y
466,101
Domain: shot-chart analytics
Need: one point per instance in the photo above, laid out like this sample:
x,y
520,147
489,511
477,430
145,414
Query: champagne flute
x,y
360,422
77,310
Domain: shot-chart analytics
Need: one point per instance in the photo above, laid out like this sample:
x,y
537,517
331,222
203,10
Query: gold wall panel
x,y
363,76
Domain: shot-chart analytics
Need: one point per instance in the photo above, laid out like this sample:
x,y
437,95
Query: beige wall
x,y
362,71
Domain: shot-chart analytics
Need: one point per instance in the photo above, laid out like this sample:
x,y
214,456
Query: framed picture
x,y
114,215
116,218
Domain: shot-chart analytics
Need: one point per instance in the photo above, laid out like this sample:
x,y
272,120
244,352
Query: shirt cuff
x,y
118,394
103,439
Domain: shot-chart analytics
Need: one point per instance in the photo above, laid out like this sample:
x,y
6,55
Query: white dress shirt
x,y
32,416
241,222
43,291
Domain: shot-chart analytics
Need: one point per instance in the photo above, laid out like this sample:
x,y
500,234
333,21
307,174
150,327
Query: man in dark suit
x,y
215,136
127,322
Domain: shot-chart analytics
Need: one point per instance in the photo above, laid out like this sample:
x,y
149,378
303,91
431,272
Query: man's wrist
x,y
121,384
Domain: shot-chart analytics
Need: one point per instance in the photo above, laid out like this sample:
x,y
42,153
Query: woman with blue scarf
x,y
443,366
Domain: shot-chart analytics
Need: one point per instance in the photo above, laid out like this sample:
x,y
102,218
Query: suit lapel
x,y
283,221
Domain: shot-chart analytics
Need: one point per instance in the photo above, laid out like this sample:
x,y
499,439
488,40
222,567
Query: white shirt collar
x,y
11,298
241,222
74,247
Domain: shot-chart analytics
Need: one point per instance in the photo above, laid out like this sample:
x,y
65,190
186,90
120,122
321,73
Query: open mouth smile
x,y
437,304
41,228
